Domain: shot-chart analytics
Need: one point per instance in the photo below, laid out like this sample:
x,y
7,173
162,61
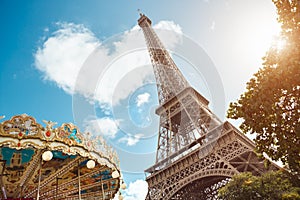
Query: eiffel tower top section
x,y
169,79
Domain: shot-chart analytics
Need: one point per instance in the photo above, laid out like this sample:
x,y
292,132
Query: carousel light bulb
x,y
90,164
115,174
123,186
121,197
47,155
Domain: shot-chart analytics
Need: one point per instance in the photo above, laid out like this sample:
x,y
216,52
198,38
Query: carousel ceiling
x,y
39,162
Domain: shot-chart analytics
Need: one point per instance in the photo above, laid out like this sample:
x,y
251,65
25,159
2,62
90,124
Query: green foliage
x,y
270,186
270,108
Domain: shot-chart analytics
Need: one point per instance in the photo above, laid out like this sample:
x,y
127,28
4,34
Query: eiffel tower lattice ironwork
x,y
196,153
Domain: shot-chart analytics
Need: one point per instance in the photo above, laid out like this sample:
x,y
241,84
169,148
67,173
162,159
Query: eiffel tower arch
x,y
197,153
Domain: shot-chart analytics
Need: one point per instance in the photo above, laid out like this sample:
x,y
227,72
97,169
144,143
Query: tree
x,y
270,107
270,186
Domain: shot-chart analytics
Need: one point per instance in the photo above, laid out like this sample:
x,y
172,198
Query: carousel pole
x,y
39,183
20,193
3,162
46,156
103,196
79,187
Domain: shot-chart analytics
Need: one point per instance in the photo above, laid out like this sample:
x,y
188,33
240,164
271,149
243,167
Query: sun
x,y
266,35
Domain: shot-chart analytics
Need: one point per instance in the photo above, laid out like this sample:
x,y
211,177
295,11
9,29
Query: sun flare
x,y
266,36
279,43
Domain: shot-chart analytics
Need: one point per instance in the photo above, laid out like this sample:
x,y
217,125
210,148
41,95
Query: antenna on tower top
x,y
139,11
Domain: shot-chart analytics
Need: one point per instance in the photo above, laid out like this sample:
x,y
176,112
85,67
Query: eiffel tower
x,y
197,153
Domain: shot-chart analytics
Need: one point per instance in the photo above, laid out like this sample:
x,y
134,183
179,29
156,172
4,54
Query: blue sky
x,y
38,38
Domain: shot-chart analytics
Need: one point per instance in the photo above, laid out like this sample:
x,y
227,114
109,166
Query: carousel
x,y
43,162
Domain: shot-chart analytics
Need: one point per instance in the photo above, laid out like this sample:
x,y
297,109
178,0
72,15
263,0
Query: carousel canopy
x,y
39,162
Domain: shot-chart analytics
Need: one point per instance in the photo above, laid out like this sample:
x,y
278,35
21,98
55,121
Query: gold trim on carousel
x,y
22,131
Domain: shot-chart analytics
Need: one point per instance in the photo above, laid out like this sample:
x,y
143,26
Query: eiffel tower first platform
x,y
196,153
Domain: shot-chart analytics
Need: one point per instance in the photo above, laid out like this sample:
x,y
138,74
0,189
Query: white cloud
x,y
62,58
137,190
62,55
142,98
123,77
130,140
102,126
165,31
168,25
